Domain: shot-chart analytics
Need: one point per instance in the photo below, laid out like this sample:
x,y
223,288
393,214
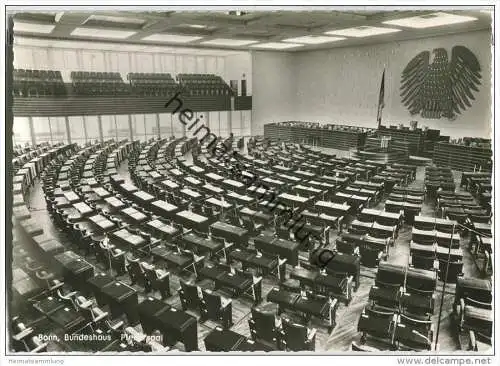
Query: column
x,y
130,129
230,121
50,131
85,133
158,122
99,124
206,117
68,131
32,131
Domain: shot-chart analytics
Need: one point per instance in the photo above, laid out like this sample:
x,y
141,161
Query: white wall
x,y
342,85
273,86
237,66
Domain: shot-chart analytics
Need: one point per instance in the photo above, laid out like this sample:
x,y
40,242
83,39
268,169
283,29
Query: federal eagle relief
x,y
442,88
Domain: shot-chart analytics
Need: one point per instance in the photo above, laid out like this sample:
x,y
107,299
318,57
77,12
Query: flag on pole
x,y
381,100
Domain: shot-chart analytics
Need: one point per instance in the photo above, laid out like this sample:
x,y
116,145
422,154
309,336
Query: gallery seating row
x,y
28,83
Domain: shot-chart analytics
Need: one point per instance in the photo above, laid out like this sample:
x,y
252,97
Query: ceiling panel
x,y
260,26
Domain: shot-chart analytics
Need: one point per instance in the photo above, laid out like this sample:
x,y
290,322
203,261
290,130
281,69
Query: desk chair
x,y
190,296
215,307
282,232
52,283
233,218
156,279
297,337
68,297
23,338
209,211
118,261
422,262
218,239
455,270
135,271
251,226
382,232
377,323
197,207
363,348
31,265
444,240
370,256
102,253
265,325
92,312
82,238
485,219
476,317
461,218
409,338
420,323
201,234
178,227
346,247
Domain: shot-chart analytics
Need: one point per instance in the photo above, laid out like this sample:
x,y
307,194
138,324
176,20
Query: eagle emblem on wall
x,y
442,88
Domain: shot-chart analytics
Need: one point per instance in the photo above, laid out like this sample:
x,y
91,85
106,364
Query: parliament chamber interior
x,y
250,181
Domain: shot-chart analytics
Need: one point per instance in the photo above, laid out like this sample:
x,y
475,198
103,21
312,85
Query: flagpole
x,y
381,98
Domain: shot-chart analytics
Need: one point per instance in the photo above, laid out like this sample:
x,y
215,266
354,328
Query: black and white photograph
x,y
249,179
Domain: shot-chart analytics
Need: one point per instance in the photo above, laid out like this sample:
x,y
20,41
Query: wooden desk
x,y
102,223
164,209
189,194
71,197
143,197
332,208
238,283
233,185
101,192
283,248
193,181
83,208
197,243
324,309
128,188
192,220
133,215
231,233
75,269
124,238
293,200
218,203
240,198
121,299
114,203
258,216
170,185
211,189
161,229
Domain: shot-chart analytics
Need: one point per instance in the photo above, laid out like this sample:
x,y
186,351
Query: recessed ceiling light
x,y
277,45
114,19
196,26
33,27
431,20
362,31
171,38
101,33
313,39
229,42
58,16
